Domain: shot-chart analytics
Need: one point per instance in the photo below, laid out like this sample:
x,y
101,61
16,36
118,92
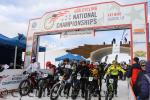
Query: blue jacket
x,y
144,88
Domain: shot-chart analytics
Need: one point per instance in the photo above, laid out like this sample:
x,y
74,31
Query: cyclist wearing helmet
x,y
113,71
67,71
51,67
34,69
95,72
84,72
34,66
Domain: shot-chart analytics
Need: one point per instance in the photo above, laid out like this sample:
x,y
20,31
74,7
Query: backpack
x,y
148,79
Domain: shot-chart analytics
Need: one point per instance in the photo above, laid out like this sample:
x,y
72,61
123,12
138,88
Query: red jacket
x,y
134,73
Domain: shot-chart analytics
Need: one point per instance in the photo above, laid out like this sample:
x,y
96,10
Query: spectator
x,y
145,86
114,41
104,43
133,71
139,82
125,40
120,42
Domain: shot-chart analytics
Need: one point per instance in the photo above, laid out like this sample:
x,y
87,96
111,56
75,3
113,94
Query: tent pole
x,y
15,57
44,59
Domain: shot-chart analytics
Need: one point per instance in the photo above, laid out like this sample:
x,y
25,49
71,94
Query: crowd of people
x,y
97,70
138,72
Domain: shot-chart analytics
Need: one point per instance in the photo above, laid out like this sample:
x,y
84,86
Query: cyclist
x,y
113,71
34,66
84,72
52,70
95,72
51,67
66,71
34,69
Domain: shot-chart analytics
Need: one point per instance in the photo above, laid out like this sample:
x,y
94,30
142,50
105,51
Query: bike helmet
x,y
142,63
96,63
48,63
114,62
66,60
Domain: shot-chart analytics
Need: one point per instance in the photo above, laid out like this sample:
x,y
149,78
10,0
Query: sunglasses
x,y
143,65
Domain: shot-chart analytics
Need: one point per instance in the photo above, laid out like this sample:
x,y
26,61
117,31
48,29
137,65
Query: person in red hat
x,y
51,67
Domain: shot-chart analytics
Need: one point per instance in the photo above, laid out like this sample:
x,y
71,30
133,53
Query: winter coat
x,y
133,72
145,84
83,70
138,83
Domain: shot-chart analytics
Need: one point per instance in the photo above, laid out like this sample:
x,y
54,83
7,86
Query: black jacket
x,y
83,70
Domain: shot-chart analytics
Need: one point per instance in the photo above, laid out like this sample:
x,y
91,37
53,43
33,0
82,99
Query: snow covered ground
x,y
122,94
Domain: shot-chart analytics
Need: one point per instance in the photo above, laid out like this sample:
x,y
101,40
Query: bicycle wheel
x,y
24,88
99,95
4,93
111,91
87,94
75,92
55,91
41,87
106,95
90,96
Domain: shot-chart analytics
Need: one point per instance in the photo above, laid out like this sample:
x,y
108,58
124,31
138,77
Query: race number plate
x,y
78,77
45,75
111,80
60,78
90,78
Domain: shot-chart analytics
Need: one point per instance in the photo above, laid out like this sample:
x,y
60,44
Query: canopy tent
x,y
79,57
6,41
70,57
12,48
20,41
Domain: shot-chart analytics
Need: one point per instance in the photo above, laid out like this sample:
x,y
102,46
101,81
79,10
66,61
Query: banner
x,y
139,43
100,16
10,79
88,17
80,33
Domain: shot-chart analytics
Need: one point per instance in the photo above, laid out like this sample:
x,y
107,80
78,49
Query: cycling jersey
x,y
94,72
114,70
33,67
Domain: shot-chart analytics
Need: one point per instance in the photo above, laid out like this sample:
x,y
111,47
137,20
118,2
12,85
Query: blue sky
x,y
100,37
